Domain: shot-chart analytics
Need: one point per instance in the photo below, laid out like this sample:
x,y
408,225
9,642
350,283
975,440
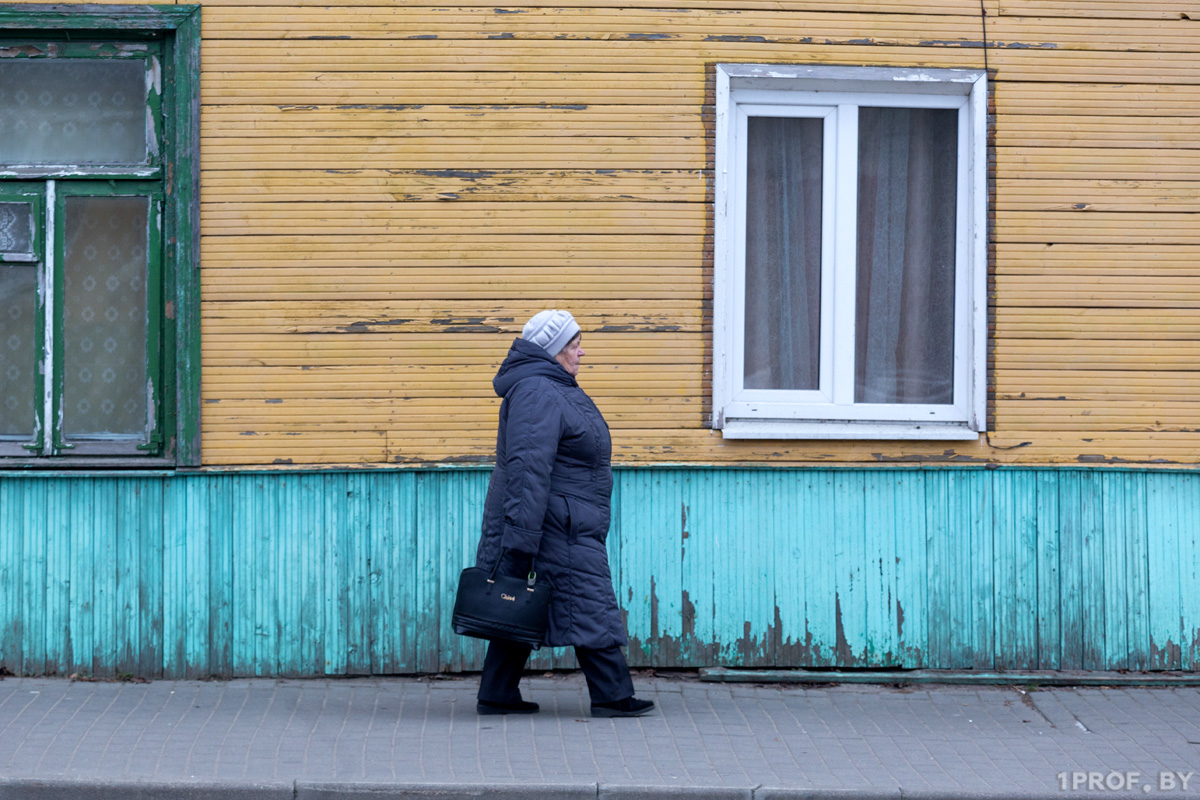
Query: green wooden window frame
x,y
167,38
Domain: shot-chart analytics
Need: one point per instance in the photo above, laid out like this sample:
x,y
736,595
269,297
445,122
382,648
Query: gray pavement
x,y
420,738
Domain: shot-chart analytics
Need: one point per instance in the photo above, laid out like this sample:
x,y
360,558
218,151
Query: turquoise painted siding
x,y
290,573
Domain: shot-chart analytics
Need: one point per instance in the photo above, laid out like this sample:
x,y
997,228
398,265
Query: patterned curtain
x,y
104,315
72,111
18,348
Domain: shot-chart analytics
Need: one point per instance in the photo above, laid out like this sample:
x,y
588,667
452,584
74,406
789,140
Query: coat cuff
x,y
521,540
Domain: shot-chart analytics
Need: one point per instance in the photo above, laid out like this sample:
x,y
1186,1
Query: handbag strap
x,y
530,579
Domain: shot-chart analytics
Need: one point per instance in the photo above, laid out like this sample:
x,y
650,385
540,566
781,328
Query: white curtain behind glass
x,y
904,343
72,111
18,321
104,315
783,253
18,353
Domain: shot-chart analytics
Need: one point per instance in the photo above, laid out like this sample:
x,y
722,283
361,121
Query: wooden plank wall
x,y
390,188
350,573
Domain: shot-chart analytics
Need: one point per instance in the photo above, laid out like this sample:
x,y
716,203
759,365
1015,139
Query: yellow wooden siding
x,y
390,189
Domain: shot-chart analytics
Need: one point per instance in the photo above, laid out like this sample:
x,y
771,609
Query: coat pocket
x,y
558,515
586,520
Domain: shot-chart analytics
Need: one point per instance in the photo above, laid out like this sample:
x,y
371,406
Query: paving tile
x,y
399,732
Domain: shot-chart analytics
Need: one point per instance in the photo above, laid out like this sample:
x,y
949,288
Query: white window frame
x,y
834,94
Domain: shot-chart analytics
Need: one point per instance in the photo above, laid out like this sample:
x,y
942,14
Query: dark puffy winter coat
x,y
549,495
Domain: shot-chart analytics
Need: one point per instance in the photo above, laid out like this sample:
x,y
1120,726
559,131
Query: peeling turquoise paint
x,y
345,573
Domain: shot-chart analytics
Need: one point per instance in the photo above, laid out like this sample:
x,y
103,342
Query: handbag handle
x,y
530,579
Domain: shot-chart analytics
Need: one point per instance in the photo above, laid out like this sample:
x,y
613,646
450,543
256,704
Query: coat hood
x,y
527,360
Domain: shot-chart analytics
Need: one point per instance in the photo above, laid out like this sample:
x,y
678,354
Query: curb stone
x,y
68,789
91,789
619,792
307,790
1049,794
782,793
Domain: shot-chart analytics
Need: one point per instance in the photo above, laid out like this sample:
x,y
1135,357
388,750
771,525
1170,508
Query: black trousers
x,y
606,671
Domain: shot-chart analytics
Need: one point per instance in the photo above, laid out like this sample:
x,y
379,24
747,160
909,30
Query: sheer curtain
x,y
18,321
783,253
904,342
18,348
72,111
907,181
104,315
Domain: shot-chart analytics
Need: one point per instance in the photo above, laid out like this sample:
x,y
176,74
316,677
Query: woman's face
x,y
569,356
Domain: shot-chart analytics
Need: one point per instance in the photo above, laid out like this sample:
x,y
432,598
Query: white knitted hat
x,y
550,330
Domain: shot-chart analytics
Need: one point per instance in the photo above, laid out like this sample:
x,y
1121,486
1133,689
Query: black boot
x,y
485,707
629,707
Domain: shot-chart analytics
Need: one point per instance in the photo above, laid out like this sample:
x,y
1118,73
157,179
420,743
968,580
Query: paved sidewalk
x,y
420,737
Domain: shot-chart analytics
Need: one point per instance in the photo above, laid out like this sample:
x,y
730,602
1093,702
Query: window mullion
x,y
740,124
55,321
974,234
154,263
49,429
845,248
963,300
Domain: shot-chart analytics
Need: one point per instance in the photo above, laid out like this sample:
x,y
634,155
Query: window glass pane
x,y
783,253
104,315
18,349
904,339
16,229
72,111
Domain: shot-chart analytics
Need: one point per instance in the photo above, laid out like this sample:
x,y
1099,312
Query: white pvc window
x,y
850,262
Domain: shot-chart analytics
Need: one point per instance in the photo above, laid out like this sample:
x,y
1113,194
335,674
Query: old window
x,y
850,256
97,289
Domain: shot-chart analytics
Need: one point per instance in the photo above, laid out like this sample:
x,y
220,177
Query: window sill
x,y
844,429
115,464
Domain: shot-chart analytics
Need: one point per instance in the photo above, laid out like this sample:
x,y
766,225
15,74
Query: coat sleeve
x,y
532,434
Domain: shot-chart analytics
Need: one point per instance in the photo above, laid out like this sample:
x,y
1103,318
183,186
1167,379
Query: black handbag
x,y
491,606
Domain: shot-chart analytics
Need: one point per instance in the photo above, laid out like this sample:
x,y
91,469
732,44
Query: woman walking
x,y
547,508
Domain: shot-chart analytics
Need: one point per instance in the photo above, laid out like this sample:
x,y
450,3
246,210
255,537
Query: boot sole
x,y
610,713
489,711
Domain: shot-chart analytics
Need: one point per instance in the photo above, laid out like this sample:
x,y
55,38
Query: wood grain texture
x,y
388,189
322,573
